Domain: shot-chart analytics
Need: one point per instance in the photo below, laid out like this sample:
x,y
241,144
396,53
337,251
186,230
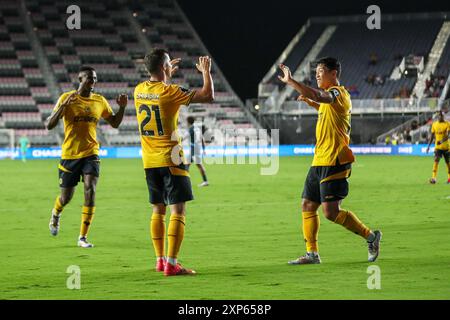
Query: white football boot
x,y
82,242
54,224
308,258
204,184
374,246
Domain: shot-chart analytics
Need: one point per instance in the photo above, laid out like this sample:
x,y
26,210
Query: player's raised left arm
x,y
318,96
116,119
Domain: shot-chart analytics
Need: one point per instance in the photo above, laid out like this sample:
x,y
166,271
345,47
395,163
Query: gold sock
x,y
58,207
350,221
86,219
435,169
158,230
175,234
311,225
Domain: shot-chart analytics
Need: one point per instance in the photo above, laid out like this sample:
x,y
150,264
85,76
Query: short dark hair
x,y
331,64
154,59
190,120
85,68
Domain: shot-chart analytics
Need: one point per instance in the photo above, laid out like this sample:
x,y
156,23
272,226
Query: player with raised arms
x,y
81,110
326,183
157,106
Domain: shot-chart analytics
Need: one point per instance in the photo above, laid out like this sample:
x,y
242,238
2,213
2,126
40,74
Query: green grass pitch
x,y
241,231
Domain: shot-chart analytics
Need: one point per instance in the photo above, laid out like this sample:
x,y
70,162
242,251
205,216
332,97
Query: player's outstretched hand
x,y
122,100
286,73
204,64
174,64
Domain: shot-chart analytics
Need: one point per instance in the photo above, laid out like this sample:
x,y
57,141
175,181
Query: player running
x,y
81,110
157,107
326,183
197,146
440,129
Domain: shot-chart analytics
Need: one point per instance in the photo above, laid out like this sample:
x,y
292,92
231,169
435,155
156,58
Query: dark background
x,y
246,37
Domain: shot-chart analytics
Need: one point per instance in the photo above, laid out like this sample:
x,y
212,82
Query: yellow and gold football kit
x,y
157,107
80,124
333,130
441,131
327,178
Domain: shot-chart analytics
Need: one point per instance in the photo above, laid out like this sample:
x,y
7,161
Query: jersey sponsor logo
x,y
85,119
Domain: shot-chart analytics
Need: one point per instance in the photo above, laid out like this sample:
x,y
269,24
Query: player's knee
x,y
178,208
159,208
330,213
65,199
308,205
89,191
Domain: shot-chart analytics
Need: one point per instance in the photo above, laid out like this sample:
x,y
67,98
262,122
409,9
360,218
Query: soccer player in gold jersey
x,y
81,110
157,106
326,183
440,129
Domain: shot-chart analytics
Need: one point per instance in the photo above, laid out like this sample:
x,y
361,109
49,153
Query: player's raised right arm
x,y
58,111
206,93
311,93
308,101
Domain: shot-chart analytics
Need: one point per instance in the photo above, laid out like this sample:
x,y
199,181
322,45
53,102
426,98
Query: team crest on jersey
x,y
87,110
184,89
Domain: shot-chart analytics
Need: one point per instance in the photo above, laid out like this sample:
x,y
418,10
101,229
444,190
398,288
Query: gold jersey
x,y
333,130
441,131
157,107
80,124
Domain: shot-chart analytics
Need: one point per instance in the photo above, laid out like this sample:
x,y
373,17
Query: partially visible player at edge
x,y
81,110
326,183
197,146
440,129
24,145
157,107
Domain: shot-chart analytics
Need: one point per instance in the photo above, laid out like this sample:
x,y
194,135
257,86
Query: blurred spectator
x,y
353,90
434,86
375,79
373,60
379,80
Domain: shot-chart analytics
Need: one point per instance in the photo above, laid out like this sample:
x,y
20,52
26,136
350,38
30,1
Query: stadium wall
x,y
365,128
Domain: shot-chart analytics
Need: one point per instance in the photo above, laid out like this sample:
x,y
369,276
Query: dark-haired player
x,y
157,106
326,183
81,110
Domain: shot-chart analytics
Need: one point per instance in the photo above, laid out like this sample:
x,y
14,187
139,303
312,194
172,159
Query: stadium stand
x,y
373,63
113,40
22,87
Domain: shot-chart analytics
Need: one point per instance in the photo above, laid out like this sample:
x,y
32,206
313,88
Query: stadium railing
x,y
359,106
